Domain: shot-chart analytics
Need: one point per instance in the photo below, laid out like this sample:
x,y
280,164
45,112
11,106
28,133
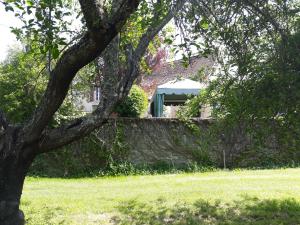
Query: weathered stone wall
x,y
150,141
156,140
159,142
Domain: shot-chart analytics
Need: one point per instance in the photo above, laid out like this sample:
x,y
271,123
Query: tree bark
x,y
12,179
13,168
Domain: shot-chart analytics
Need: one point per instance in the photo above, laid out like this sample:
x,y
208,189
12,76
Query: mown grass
x,y
259,197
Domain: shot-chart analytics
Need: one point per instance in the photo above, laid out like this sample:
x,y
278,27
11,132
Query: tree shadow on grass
x,y
43,215
248,211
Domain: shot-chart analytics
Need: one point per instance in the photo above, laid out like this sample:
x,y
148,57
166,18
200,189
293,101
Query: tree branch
x,y
144,42
94,14
114,88
267,16
73,59
3,121
157,25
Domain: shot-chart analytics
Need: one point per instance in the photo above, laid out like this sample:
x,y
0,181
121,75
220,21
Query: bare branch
x,y
144,42
97,18
69,133
94,14
155,28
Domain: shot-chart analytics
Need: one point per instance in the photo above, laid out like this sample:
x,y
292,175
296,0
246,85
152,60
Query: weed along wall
x,y
163,143
177,143
152,141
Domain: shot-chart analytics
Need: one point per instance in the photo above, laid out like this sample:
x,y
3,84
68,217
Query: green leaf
x,y
9,8
168,41
204,24
29,2
55,53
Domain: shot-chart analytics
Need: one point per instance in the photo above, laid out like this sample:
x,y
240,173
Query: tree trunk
x,y
13,168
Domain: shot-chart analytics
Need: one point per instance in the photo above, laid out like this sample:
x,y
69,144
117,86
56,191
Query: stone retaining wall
x,y
157,140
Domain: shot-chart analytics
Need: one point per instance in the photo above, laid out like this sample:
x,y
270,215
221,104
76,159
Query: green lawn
x,y
238,197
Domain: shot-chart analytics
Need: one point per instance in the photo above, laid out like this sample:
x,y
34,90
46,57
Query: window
x,y
97,93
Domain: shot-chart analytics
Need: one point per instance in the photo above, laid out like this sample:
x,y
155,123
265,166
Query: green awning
x,y
175,87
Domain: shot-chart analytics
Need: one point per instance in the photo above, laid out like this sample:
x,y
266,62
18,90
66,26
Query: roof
x,y
180,87
171,71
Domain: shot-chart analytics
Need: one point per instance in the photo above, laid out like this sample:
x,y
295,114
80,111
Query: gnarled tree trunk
x,y
13,168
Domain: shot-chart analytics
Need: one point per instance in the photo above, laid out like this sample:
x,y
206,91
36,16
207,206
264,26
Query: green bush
x,y
83,158
134,105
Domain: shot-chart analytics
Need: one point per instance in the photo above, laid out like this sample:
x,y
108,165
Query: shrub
x,y
134,105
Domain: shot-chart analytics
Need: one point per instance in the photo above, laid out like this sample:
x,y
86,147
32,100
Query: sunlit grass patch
x,y
259,197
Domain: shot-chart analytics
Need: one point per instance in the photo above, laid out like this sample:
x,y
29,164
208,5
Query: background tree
x,y
256,46
23,78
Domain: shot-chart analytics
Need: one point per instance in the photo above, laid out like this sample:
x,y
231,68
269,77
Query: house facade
x,y
168,72
91,100
169,86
